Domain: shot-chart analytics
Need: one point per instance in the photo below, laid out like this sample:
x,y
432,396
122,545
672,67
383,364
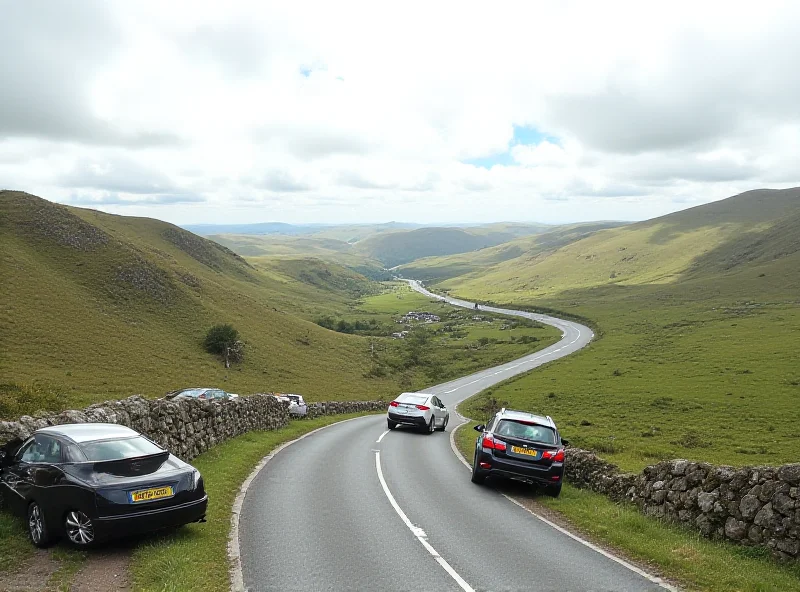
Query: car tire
x,y
553,490
391,424
79,529
37,526
478,476
431,426
444,424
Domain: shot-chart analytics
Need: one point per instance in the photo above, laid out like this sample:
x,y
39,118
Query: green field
x,y
672,551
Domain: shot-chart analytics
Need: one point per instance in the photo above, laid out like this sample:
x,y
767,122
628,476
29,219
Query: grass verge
x,y
14,544
680,554
195,557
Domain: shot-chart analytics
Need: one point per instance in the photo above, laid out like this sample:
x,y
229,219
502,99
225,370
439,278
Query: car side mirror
x,y
565,442
479,428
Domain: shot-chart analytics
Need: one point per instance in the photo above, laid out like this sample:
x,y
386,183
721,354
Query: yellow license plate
x,y
149,495
527,451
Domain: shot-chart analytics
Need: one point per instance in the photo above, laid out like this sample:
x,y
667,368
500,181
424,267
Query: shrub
x,y
223,340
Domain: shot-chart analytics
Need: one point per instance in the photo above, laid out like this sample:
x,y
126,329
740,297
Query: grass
x,y
675,375
695,562
195,557
15,544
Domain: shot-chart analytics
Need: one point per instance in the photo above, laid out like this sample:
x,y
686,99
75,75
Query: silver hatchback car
x,y
421,410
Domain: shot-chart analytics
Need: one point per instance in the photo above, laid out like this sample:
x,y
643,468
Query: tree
x,y
223,340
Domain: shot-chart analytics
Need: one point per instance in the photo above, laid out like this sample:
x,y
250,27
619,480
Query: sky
x,y
429,112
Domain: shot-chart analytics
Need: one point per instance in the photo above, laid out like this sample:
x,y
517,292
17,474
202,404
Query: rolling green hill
x,y
395,248
698,319
661,250
101,306
437,269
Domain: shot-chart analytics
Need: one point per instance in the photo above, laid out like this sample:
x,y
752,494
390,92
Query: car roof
x,y
87,432
525,416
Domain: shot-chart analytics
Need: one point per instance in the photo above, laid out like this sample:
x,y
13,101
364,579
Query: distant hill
x,y
101,306
395,248
752,228
435,269
345,232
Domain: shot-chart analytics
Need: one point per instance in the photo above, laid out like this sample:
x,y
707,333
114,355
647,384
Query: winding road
x,y
355,507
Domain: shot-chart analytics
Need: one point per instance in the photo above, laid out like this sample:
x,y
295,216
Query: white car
x,y
421,410
296,405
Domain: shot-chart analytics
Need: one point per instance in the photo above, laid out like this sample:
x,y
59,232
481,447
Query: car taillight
x,y
423,407
393,404
489,442
554,455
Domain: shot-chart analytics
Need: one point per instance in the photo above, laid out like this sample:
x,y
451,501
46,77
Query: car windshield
x,y
123,448
295,398
191,392
526,431
413,399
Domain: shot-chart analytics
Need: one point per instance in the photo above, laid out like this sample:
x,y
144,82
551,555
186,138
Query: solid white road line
x,y
593,547
378,441
417,531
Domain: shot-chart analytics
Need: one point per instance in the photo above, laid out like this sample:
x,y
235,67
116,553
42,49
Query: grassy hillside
x,y
699,328
395,248
99,306
437,269
661,250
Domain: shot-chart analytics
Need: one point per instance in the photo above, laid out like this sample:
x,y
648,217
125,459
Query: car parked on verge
x,y
94,481
421,410
201,393
521,446
297,405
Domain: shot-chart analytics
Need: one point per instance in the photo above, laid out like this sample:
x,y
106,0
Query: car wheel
x,y
444,424
37,526
431,426
391,424
478,476
79,528
553,490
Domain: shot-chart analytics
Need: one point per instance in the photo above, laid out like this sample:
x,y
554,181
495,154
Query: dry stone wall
x,y
756,506
186,427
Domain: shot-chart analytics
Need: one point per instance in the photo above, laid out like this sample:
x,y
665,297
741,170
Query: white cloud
x,y
313,111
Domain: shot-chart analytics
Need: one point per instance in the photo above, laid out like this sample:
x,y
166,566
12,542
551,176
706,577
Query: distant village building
x,y
424,317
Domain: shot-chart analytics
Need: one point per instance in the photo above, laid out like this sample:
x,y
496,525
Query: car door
x,y
438,407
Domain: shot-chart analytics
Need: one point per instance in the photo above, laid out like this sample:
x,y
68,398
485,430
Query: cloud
x,y
198,111
115,199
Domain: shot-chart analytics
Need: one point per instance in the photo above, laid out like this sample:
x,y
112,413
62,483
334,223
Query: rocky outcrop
x,y
757,506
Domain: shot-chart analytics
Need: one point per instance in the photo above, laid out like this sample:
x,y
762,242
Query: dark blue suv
x,y
520,446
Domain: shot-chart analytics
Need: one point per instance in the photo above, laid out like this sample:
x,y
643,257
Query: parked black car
x,y
94,481
521,446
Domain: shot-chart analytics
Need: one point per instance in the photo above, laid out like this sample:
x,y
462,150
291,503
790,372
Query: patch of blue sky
x,y
523,135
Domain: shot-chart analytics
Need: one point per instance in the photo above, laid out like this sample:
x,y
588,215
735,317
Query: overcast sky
x,y
430,111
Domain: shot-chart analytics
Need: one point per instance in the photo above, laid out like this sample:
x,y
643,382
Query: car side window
x,y
23,449
490,425
43,449
219,394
